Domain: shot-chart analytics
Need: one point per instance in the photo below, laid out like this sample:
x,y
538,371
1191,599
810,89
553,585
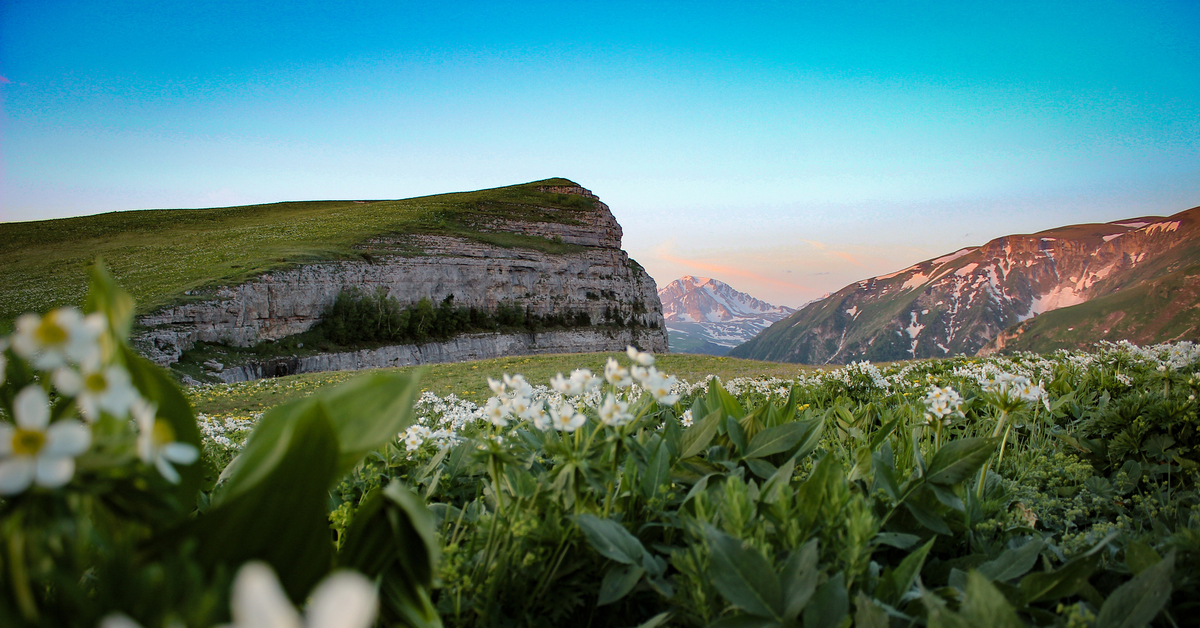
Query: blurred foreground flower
x,y
35,451
344,599
61,336
156,442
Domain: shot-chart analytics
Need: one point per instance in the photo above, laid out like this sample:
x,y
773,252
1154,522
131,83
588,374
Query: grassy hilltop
x,y
160,254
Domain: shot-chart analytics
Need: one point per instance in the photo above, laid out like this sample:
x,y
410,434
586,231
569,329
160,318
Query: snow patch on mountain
x,y
704,315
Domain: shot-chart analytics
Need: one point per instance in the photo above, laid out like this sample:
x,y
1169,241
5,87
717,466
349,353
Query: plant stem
x,y
988,465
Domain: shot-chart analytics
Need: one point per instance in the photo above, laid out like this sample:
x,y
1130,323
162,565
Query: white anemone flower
x,y
659,385
686,419
61,336
641,357
519,405
156,442
584,381
565,418
515,382
616,374
496,412
36,452
538,415
496,386
614,412
97,389
344,599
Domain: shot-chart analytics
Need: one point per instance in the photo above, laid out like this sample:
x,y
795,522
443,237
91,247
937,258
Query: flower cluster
x,y
74,356
941,403
1013,386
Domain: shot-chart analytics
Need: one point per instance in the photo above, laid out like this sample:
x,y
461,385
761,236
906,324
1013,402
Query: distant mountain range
x,y
1135,279
707,316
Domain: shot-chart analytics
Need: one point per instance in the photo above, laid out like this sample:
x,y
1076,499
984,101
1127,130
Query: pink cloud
x,y
4,80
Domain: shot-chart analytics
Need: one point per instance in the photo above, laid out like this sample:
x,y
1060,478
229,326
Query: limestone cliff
x,y
593,275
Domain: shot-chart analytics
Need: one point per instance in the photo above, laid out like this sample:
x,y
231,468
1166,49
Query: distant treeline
x,y
362,317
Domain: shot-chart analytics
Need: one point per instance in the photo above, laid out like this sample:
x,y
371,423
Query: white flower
x,y
641,357
344,599
942,402
538,415
686,419
615,413
156,442
96,389
36,451
61,336
515,382
616,374
659,385
565,418
641,373
3,359
496,412
519,405
496,386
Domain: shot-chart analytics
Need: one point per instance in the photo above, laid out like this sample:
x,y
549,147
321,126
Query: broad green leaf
x,y
885,476
777,486
369,411
959,459
986,606
938,616
799,579
1138,602
618,581
658,471
927,517
734,431
947,496
743,576
774,440
897,540
697,437
656,621
1139,557
109,298
761,468
891,589
719,398
1064,581
867,614
1012,563
611,539
829,605
283,517
812,437
745,621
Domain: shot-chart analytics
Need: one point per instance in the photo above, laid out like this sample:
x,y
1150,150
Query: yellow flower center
x,y
96,382
162,434
49,332
28,442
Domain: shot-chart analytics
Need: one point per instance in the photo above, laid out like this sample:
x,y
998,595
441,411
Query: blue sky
x,y
787,148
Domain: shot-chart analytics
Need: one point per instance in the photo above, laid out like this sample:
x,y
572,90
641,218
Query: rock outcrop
x,y
594,276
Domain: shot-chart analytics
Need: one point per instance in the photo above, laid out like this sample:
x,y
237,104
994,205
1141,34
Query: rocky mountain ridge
x,y
594,277
704,315
961,302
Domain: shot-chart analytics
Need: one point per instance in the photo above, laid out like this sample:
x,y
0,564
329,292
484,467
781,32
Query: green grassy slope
x,y
159,254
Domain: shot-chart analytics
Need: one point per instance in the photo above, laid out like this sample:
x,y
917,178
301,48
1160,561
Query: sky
x,y
786,148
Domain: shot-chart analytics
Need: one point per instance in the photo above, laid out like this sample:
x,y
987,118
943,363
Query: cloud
x,y
4,80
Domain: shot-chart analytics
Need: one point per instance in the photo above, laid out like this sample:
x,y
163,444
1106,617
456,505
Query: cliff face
x,y
959,303
595,276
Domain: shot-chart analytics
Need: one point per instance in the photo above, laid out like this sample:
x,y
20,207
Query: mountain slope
x,y
1088,277
704,315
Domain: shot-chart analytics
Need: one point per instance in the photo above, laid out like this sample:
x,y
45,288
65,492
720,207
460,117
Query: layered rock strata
x,y
597,278
460,349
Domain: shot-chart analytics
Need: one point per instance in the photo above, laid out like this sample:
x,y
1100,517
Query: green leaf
x,y
1138,602
743,576
760,467
830,604
745,621
611,539
777,486
1051,585
733,429
959,459
867,614
107,297
658,471
656,621
618,581
890,590
897,540
775,439
697,437
986,606
1012,563
369,411
799,579
282,517
928,517
1139,557
812,437
719,398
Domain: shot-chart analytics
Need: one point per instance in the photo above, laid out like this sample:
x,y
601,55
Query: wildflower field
x,y
1054,490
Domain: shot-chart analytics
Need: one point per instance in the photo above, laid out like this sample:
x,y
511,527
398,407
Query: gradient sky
x,y
787,148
